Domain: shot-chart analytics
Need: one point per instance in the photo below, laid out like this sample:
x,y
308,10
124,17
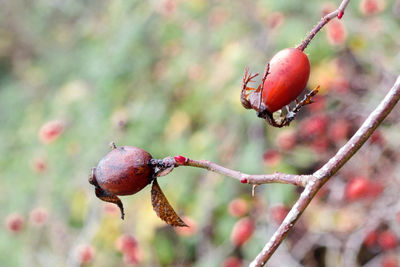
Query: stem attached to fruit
x,y
324,20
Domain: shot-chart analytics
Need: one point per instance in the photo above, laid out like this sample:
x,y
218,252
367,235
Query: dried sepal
x,y
108,197
162,207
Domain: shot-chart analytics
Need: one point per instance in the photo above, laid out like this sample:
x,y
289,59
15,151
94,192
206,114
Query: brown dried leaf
x,y
162,207
108,197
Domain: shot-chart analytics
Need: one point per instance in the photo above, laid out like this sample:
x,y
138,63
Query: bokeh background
x,y
165,76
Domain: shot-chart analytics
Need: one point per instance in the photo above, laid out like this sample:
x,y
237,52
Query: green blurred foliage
x,y
161,75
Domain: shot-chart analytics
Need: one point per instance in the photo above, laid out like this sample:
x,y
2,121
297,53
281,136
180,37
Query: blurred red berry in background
x,y
390,261
286,139
370,7
242,231
320,144
85,253
38,216
50,131
14,222
238,207
39,165
336,32
377,138
357,188
387,240
125,243
314,126
272,157
339,131
129,246
371,239
278,213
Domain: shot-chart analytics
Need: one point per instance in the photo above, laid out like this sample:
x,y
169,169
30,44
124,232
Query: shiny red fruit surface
x,y
289,73
124,170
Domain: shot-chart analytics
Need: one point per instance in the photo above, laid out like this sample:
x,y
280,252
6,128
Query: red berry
x,y
278,213
238,207
14,222
357,188
320,144
85,253
336,32
39,165
128,245
38,216
124,170
390,261
50,131
289,73
371,239
369,7
272,157
339,131
125,243
387,240
286,139
314,126
242,231
377,138
232,262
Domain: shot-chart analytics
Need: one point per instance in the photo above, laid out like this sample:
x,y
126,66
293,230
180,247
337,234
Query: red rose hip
x,y
124,170
289,73
285,77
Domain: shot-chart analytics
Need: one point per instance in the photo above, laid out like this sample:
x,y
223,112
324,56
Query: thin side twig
x,y
324,20
299,180
172,162
322,175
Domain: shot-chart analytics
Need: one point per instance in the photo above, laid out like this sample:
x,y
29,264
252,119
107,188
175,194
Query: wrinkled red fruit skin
x,y
289,73
124,170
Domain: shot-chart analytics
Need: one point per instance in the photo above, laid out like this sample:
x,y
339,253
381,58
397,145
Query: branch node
x,y
244,181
